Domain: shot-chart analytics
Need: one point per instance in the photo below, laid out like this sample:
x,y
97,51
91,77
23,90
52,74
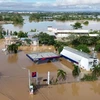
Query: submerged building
x,y
83,60
43,57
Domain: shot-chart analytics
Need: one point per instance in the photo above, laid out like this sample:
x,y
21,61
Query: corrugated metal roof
x,y
83,54
39,55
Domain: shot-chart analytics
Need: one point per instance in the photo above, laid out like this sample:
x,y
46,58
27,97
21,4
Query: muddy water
x,y
14,82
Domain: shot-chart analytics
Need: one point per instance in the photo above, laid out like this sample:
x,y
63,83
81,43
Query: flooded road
x,y
14,82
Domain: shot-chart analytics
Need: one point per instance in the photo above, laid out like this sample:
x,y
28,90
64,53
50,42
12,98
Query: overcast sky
x,y
49,4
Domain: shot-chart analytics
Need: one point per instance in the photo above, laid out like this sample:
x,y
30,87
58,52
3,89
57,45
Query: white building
x,y
11,40
83,60
66,33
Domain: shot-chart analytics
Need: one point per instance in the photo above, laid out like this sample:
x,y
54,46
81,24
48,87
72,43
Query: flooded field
x,y
14,81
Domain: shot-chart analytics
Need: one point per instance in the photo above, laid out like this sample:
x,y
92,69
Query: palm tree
x,y
61,75
96,70
76,71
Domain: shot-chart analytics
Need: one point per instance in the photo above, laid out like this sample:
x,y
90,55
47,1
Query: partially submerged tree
x,y
13,48
61,75
76,71
96,70
77,25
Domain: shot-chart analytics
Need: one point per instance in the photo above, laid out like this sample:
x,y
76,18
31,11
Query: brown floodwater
x,y
14,81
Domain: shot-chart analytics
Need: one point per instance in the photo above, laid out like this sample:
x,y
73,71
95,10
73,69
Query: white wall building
x,y
66,33
83,60
11,40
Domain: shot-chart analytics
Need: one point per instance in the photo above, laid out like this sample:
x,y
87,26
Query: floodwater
x,y
14,81
42,26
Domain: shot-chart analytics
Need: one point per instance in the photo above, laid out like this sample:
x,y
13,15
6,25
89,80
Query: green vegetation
x,y
86,23
85,40
83,48
33,30
97,47
76,71
13,48
61,75
94,75
21,34
59,45
45,38
15,18
2,33
96,70
28,41
89,77
77,25
64,16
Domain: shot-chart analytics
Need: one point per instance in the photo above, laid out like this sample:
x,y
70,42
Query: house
x,y
83,60
32,34
11,40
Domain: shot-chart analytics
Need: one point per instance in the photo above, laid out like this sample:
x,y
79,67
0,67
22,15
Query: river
x,y
42,26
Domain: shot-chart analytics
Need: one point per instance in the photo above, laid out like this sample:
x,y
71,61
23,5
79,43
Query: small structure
x,y
35,41
32,34
42,57
11,40
83,60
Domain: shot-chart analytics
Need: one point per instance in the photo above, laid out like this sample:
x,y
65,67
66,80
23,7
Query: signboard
x,y
33,74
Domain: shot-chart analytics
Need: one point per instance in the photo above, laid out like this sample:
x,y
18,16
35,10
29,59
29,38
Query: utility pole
x,y
29,78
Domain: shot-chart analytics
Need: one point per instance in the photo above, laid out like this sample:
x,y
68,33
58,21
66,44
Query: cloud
x,y
3,1
76,2
55,5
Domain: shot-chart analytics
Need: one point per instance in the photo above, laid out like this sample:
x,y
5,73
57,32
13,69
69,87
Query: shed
x,y
82,59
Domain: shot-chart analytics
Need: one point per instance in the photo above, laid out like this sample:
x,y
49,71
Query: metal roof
x,y
80,53
32,33
39,55
73,31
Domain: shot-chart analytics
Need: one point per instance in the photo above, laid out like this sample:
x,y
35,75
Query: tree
x,y
97,47
60,49
76,71
86,23
28,41
17,19
61,75
83,48
22,34
77,25
1,36
13,48
96,70
46,39
15,33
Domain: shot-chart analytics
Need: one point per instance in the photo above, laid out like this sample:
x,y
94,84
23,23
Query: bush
x,y
83,47
97,47
89,77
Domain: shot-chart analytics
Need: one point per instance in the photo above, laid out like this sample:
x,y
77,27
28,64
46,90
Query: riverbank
x,y
6,22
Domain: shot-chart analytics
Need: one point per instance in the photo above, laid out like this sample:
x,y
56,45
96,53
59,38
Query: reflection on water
x,y
42,25
75,89
61,89
95,87
20,26
12,58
